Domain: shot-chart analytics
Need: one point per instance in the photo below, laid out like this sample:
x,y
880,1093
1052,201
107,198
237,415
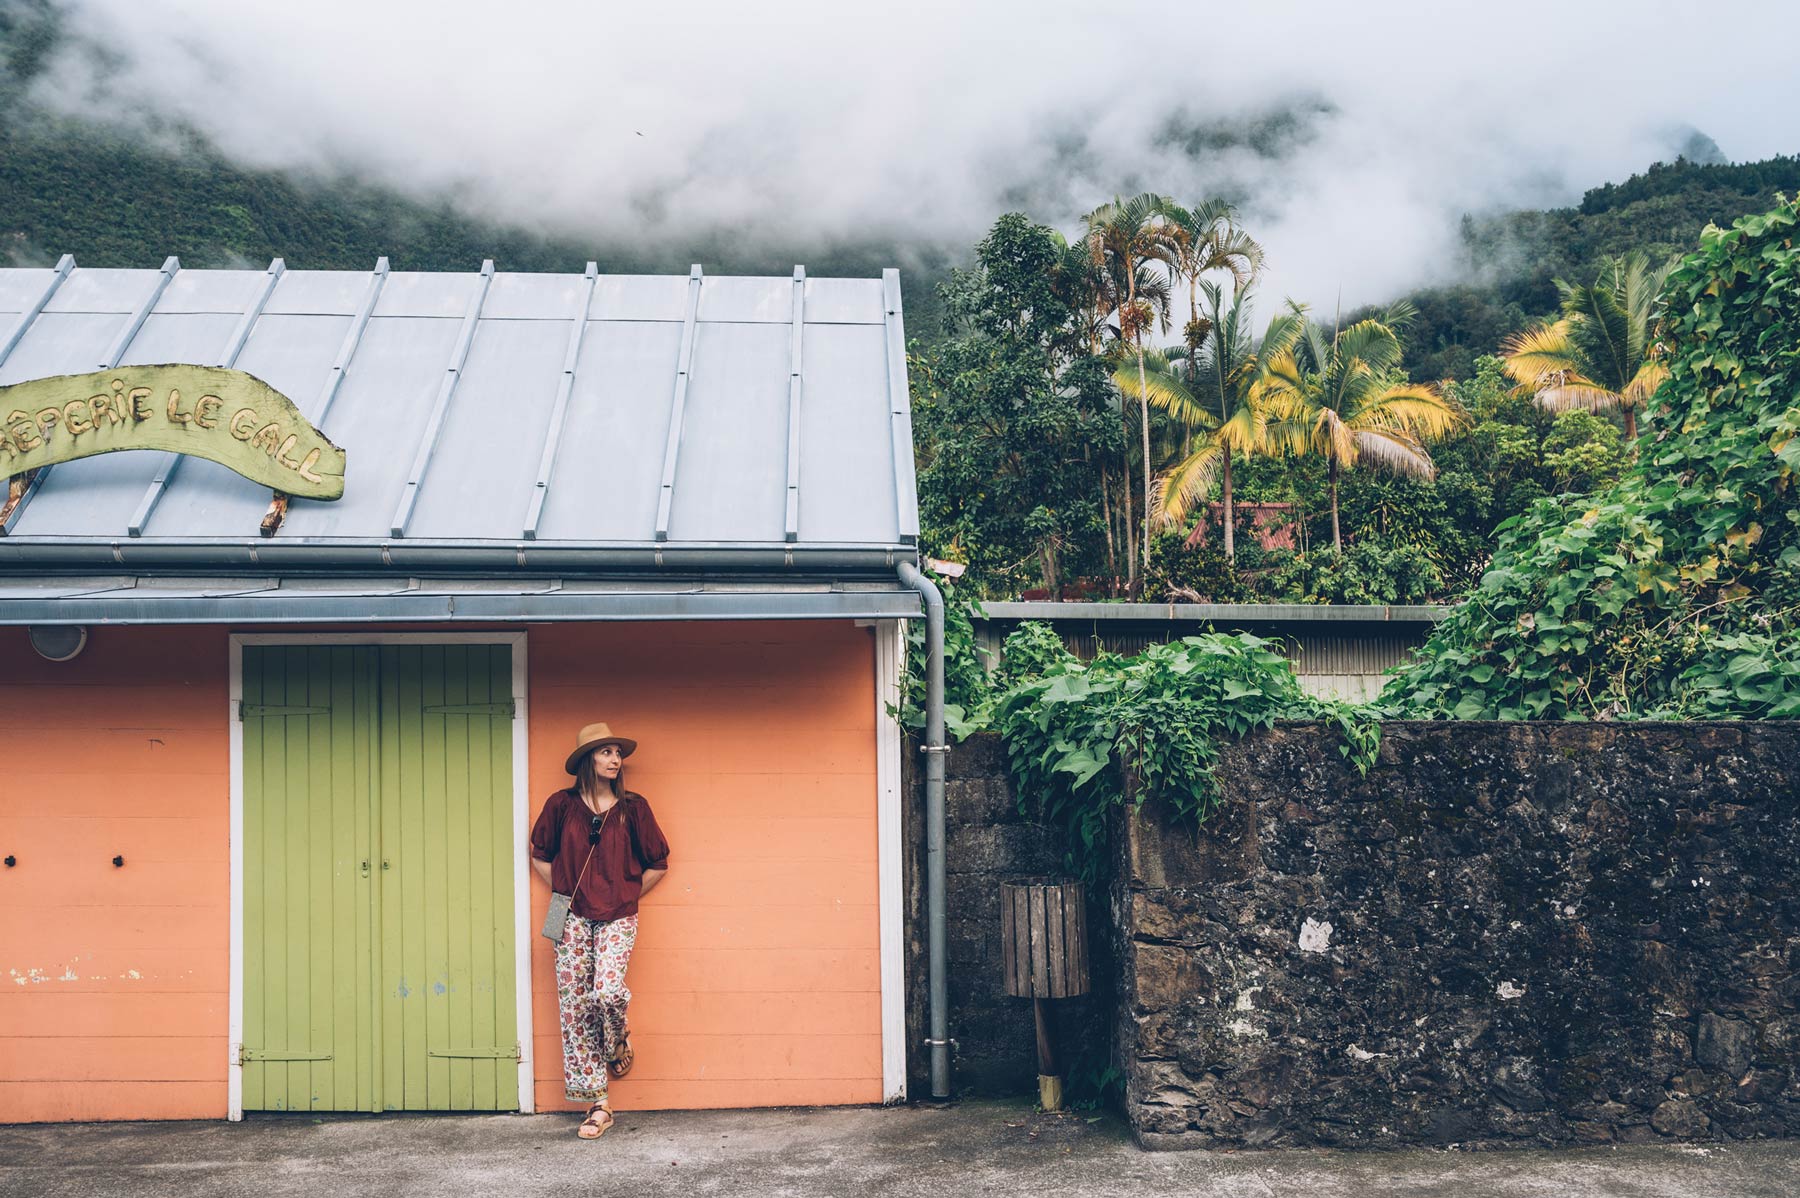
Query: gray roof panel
x,y
843,301
747,301
731,469
427,293
317,293
211,291
382,408
609,465
19,289
103,290
846,469
640,297
501,409
61,343
533,297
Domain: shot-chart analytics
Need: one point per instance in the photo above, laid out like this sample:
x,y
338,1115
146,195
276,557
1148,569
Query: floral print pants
x,y
591,996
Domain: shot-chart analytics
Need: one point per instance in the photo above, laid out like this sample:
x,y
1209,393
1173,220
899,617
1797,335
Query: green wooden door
x,y
378,878
449,1038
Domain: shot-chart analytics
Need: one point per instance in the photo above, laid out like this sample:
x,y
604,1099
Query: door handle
x,y
365,869
384,865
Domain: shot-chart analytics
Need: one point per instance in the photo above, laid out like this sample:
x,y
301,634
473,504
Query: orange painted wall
x,y
113,982
757,973
757,976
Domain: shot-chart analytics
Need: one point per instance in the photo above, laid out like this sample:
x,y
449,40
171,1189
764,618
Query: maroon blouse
x,y
630,843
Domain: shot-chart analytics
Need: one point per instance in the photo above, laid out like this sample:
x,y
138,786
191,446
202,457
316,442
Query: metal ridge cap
x,y
1334,613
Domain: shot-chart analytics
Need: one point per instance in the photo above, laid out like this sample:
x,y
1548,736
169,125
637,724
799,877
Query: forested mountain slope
x,y
1514,259
117,199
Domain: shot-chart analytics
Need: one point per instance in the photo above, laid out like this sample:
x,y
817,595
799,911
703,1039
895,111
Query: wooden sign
x,y
225,416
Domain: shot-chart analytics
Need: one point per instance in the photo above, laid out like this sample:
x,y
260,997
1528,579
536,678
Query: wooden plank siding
x,y
757,976
115,980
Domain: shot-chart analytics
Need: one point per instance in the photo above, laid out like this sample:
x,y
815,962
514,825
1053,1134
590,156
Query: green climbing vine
x,y
1671,594
1085,738
1675,593
1082,735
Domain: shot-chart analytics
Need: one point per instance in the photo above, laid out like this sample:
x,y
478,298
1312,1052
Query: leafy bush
x,y
1671,594
1074,733
1032,650
1182,575
1365,572
967,692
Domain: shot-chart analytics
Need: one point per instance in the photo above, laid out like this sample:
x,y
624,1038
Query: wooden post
x,y
1049,1074
1043,928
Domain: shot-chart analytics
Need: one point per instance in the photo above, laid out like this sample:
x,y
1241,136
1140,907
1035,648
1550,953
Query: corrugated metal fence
x,y
1338,652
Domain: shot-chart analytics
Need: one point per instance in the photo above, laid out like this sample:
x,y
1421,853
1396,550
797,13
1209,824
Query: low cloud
x,y
1353,136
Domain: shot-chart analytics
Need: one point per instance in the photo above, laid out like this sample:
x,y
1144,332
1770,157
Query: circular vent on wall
x,y
58,642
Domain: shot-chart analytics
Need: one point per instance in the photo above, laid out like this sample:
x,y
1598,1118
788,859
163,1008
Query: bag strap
x,y
575,888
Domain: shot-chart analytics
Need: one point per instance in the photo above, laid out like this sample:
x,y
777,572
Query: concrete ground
x,y
947,1152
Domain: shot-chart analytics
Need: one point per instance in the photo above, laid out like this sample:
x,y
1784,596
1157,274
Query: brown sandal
x,y
620,1065
591,1127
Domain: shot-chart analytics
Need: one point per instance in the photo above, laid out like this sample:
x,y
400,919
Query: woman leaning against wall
x,y
598,846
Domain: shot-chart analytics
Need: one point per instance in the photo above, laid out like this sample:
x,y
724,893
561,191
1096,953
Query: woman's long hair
x,y
589,783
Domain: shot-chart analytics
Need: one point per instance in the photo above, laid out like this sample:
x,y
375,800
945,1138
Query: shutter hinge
x,y
265,1054
497,1053
253,710
504,708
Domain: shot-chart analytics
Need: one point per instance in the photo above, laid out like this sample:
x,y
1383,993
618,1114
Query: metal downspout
x,y
934,749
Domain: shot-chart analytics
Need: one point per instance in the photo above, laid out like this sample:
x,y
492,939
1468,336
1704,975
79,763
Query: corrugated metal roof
x,y
528,414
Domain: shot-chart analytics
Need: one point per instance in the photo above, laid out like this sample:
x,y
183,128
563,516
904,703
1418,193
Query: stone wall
x,y
1569,933
987,842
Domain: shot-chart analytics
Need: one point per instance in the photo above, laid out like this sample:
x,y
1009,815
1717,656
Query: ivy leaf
x,y
1471,707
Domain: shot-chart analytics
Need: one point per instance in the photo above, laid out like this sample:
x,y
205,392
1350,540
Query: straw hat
x,y
591,738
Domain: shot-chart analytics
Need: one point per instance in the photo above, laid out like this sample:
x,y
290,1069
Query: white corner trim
x,y
890,654
522,998
234,1036
522,932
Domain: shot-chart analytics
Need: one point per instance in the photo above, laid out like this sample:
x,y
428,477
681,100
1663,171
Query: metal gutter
x,y
1220,613
906,486
665,499
935,749
434,424
169,463
278,605
170,268
502,558
560,410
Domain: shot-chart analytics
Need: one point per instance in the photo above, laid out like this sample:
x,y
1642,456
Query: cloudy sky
x,y
1380,123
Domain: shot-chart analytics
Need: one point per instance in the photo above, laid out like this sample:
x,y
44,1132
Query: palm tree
x,y
1208,239
1600,353
1345,399
1128,239
1214,388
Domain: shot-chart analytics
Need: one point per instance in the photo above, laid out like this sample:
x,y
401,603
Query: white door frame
x,y
521,807
890,656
